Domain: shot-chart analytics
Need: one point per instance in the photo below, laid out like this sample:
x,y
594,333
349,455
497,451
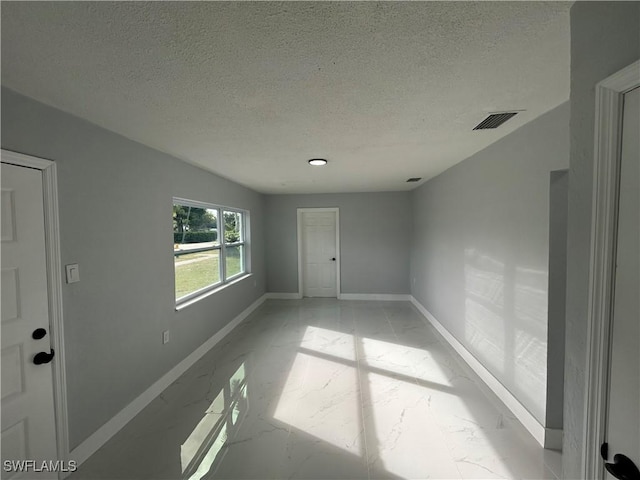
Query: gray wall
x,y
604,39
480,253
115,212
375,235
558,220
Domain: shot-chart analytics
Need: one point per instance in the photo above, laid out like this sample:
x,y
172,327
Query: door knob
x,y
39,333
622,468
333,259
43,357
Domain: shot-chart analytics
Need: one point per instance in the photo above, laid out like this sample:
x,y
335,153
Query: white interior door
x,y
319,254
623,426
28,421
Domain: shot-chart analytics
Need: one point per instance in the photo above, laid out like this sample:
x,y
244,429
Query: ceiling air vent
x,y
414,179
494,120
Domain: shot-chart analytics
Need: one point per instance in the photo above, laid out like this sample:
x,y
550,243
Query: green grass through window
x,y
199,270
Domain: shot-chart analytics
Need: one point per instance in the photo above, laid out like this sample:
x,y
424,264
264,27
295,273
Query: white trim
x,y
200,204
394,297
604,214
87,448
283,296
553,438
247,241
22,160
336,210
512,403
54,282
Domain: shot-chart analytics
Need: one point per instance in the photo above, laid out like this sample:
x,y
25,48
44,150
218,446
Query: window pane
x,y
194,227
233,227
234,260
196,270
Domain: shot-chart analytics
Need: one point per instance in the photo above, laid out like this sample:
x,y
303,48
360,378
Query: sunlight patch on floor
x,y
329,342
412,362
321,398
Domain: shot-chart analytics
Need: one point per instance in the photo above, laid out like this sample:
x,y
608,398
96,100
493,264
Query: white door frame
x,y
54,283
604,214
336,210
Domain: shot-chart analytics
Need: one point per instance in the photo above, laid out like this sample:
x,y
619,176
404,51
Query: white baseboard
x,y
87,448
346,296
396,297
512,403
283,296
553,438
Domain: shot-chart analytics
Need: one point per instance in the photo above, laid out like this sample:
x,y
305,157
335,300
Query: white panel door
x,y
319,254
28,422
623,427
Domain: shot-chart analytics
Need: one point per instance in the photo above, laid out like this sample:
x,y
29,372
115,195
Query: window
x,y
234,243
209,247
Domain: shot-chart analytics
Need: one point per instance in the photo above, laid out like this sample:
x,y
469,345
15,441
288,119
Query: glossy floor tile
x,y
325,389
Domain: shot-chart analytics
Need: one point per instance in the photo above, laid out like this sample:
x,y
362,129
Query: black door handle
x,y
622,468
43,357
333,259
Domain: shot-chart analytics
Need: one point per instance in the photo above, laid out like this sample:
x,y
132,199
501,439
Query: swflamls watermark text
x,y
39,466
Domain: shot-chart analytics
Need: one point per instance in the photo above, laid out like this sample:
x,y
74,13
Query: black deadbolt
x,y
39,333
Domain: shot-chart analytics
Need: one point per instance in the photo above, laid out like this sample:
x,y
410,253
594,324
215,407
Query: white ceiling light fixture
x,y
317,162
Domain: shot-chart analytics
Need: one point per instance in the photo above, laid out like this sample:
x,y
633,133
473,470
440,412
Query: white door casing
x,y
623,417
318,254
606,195
28,414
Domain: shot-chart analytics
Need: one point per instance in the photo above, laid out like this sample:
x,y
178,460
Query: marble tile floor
x,y
325,389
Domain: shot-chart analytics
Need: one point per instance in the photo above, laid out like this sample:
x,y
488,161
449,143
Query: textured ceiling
x,y
384,91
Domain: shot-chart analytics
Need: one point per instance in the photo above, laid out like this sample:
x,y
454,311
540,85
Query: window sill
x,y
203,295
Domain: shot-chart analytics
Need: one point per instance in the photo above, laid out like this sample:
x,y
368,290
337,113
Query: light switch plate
x,y
73,273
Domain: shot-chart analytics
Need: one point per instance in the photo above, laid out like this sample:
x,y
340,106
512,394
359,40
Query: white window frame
x,y
241,243
221,247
